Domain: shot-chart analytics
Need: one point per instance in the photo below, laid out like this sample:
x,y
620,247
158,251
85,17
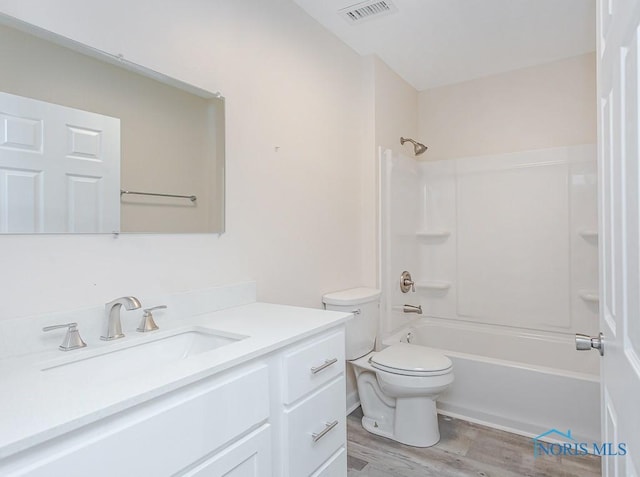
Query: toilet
x,y
398,386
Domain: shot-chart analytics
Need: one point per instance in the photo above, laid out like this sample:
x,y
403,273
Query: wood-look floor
x,y
465,449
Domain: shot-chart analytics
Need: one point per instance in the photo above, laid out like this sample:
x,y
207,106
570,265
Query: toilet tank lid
x,y
352,296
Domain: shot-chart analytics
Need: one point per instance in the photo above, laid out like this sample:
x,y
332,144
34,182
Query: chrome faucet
x,y
112,329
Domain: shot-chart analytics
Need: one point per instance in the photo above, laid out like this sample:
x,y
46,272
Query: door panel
x,y
619,207
85,203
23,188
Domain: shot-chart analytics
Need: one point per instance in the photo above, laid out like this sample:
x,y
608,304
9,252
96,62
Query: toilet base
x,y
420,430
374,427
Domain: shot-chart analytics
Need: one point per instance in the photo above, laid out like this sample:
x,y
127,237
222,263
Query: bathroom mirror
x,y
91,143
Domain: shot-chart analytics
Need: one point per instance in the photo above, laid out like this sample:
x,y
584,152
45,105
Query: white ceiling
x,y
436,42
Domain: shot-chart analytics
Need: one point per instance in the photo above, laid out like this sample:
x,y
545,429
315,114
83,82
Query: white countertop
x,y
36,406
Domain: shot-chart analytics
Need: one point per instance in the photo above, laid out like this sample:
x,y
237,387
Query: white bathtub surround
x,y
503,251
520,260
37,405
504,240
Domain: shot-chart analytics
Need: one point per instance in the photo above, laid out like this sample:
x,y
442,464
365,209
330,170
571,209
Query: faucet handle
x,y
407,283
159,307
147,323
72,340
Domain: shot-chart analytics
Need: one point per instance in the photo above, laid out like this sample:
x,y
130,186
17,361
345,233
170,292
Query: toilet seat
x,y
411,360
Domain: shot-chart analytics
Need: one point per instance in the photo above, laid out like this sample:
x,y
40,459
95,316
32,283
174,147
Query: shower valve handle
x,y
407,283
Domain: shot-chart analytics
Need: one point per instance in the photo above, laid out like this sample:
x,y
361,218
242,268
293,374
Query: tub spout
x,y
412,309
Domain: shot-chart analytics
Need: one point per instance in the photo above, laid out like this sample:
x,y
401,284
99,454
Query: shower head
x,y
418,148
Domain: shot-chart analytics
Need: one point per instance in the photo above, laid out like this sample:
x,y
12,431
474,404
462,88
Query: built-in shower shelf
x,y
589,234
434,285
433,234
589,296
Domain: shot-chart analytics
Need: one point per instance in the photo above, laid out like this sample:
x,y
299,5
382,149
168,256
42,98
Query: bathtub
x,y
518,381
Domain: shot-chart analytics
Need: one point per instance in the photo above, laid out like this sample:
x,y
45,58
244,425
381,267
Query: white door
x,y
619,209
59,168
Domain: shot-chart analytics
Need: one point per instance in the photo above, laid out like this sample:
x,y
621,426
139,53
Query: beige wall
x,y
396,109
164,130
294,219
553,104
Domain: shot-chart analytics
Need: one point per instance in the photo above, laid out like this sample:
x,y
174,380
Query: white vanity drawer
x,y
315,429
336,466
310,365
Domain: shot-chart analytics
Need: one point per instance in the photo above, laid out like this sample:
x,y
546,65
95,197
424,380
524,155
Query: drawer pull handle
x,y
326,364
319,435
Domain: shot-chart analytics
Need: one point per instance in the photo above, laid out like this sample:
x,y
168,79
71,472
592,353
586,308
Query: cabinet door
x,y
336,466
250,457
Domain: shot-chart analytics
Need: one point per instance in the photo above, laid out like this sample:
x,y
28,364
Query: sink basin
x,y
139,357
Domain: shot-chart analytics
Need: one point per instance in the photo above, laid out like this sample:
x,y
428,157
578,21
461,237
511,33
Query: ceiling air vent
x,y
363,11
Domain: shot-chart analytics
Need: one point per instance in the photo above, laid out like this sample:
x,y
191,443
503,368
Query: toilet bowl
x,y
397,386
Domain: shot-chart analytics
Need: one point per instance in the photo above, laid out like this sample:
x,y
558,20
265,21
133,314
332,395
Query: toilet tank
x,y
361,331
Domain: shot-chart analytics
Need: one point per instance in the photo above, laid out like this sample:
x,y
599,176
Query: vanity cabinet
x,y
279,414
163,436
